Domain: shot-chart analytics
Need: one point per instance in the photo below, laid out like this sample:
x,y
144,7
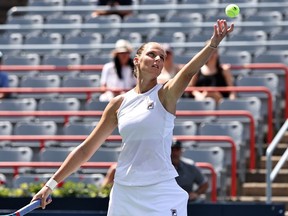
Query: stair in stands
x,y
254,189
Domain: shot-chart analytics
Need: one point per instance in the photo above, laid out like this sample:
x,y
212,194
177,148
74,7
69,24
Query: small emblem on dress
x,y
173,212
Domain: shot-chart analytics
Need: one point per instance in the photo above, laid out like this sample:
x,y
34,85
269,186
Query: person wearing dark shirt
x,y
213,74
113,3
4,80
189,174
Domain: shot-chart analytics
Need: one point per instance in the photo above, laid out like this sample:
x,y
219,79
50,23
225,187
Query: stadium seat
x,y
39,81
62,60
58,104
15,154
237,58
269,80
21,104
162,12
81,80
190,104
66,19
103,20
32,19
216,157
6,128
43,39
83,40
30,179
148,19
250,36
30,59
11,39
252,105
185,128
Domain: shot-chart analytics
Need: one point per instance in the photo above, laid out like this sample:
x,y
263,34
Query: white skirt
x,y
162,199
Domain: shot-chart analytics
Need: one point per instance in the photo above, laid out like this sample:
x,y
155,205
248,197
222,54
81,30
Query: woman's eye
x,y
151,55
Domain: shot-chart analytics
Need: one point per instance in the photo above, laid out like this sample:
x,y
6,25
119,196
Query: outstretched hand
x,y
221,29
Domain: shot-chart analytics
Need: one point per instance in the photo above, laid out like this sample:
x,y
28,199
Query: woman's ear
x,y
135,61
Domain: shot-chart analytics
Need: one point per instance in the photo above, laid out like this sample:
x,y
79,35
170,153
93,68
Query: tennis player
x,y
144,181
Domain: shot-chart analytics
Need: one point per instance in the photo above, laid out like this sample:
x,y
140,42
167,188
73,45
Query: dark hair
x,y
119,67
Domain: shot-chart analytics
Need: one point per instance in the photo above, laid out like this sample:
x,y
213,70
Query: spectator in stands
x,y
144,182
4,80
113,4
170,68
213,73
189,175
119,72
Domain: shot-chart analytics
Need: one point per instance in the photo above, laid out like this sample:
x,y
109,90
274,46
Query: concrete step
x,y
260,176
281,147
259,189
275,160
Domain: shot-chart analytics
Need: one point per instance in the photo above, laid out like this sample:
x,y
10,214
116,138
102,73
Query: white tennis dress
x,y
144,181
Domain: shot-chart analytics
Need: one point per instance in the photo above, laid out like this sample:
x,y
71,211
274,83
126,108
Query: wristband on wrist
x,y
213,47
51,183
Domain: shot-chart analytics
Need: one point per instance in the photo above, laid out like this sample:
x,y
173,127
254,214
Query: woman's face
x,y
123,57
151,60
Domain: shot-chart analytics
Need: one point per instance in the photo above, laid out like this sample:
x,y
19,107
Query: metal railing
x,y
272,173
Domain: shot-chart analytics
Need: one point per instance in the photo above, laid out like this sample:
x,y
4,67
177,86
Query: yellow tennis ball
x,y
232,10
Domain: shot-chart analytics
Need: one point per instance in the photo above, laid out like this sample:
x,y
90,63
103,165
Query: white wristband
x,y
51,183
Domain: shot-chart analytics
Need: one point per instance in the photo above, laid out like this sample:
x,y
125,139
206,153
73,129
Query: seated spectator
x,y
4,80
112,4
189,174
170,68
213,73
119,72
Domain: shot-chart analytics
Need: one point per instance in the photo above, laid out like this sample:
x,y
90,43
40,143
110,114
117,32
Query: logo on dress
x,y
173,212
150,103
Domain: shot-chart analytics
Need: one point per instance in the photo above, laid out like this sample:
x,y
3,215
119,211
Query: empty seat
x,y
233,129
86,40
11,39
47,40
269,22
15,154
102,21
79,128
141,19
189,104
13,81
94,179
163,13
39,81
24,104
86,80
237,58
186,128
64,19
269,80
6,128
256,36
30,179
62,60
35,128
207,7
61,104
185,18
250,104
27,59
35,19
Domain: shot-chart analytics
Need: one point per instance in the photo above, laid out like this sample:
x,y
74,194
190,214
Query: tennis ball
x,y
232,10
